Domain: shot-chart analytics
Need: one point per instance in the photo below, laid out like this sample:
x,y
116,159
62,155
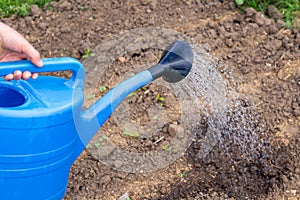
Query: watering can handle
x,y
50,65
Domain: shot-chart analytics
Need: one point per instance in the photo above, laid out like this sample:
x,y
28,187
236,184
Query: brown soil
x,y
262,60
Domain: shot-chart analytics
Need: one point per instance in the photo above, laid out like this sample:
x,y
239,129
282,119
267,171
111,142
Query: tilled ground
x,y
262,66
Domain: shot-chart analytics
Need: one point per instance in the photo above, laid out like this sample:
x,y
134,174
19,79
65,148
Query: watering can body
x,y
43,128
38,133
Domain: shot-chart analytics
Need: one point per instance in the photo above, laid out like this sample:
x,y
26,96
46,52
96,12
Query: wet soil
x,y
257,56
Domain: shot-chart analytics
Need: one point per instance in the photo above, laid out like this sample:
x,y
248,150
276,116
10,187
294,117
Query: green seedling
x,y
102,138
218,16
88,146
21,8
290,9
51,8
131,94
159,98
181,175
239,2
102,89
128,133
91,96
83,8
97,145
88,53
167,147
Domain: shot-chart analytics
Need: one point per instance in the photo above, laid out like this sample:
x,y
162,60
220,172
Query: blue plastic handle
x,y
50,65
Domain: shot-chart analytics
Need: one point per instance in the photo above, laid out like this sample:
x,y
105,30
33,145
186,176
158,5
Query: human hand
x,y
13,46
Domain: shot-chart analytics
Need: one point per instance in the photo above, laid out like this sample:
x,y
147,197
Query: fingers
x,y
17,75
13,41
26,75
35,76
9,77
32,54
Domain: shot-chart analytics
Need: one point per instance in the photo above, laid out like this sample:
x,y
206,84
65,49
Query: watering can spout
x,y
175,64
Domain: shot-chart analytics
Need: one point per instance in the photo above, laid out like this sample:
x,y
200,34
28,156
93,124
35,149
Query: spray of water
x,y
232,136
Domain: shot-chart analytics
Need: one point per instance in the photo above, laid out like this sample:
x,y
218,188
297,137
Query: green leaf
x,y
182,175
102,138
131,94
239,2
157,96
131,134
102,89
97,145
91,96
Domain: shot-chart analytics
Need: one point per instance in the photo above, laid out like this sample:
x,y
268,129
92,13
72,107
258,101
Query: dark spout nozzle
x,y
175,63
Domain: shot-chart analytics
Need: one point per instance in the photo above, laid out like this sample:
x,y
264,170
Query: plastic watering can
x,y
43,128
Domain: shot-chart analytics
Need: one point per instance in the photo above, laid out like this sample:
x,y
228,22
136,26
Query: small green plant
x,y
102,138
91,96
144,88
83,8
131,134
239,2
127,198
167,147
97,145
289,8
131,94
182,175
159,98
102,89
88,53
19,7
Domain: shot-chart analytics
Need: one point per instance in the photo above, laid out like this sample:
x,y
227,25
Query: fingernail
x,y
17,75
40,63
9,77
34,76
26,75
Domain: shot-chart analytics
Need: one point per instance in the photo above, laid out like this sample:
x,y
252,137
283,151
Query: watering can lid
x,y
46,102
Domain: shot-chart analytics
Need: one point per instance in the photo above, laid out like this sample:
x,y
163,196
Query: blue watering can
x,y
43,128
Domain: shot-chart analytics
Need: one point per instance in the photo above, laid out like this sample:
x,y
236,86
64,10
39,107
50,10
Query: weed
x,y
88,53
131,94
181,175
159,98
102,138
144,88
83,8
97,145
128,133
167,147
19,7
289,8
91,96
102,89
